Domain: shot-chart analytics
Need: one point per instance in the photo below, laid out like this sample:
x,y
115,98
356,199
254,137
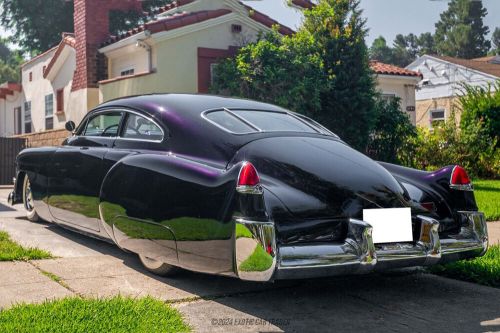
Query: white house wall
x,y
7,114
36,90
444,78
175,60
126,58
402,87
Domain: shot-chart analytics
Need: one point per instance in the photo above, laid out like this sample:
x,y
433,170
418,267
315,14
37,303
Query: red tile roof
x,y
172,22
8,88
307,4
479,65
192,18
267,21
386,69
173,5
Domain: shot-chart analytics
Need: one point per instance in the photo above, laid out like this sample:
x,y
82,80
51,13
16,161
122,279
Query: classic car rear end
x,y
330,210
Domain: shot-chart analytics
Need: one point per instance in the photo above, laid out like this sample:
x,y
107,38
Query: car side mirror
x,y
70,126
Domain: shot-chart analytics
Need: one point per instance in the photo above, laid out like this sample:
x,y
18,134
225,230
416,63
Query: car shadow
x,y
397,301
4,208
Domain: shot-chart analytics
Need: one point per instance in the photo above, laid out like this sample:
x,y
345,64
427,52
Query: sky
x,y
386,17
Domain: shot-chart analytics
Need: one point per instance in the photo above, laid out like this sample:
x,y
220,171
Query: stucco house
x,y
174,53
438,91
393,81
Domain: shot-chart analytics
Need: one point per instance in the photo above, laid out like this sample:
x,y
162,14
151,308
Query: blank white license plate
x,y
390,225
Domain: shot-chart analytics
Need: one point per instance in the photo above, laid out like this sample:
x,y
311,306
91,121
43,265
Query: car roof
x,y
189,132
186,105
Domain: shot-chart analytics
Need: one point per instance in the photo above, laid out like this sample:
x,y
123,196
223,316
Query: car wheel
x,y
31,213
158,267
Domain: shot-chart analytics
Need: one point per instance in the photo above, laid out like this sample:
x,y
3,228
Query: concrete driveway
x,y
399,301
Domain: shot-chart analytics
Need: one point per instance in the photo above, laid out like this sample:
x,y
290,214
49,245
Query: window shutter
x,y
60,100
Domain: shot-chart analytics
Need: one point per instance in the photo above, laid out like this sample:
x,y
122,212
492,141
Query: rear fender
x,y
178,207
423,186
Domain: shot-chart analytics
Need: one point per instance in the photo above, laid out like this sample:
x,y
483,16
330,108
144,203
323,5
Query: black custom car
x,y
245,189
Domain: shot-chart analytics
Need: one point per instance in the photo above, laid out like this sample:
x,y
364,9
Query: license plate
x,y
390,225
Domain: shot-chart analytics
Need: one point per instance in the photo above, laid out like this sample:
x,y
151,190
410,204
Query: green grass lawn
x,y
117,314
10,250
484,270
487,193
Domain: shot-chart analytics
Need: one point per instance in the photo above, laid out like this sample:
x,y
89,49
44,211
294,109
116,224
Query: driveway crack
x,y
56,279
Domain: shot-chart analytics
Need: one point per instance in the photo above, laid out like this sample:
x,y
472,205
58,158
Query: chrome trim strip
x,y
466,187
10,198
245,189
255,251
204,116
122,110
242,119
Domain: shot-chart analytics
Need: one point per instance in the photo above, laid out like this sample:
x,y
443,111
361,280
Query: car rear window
x,y
229,122
251,121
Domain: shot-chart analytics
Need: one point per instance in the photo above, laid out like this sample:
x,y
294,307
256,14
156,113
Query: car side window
x,y
140,128
105,124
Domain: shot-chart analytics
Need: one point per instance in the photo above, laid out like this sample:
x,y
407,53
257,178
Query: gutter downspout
x,y
142,43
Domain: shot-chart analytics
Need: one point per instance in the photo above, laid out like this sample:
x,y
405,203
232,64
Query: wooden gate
x,y
9,148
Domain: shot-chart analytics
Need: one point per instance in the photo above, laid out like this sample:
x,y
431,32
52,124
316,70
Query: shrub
x,y
481,105
445,145
392,139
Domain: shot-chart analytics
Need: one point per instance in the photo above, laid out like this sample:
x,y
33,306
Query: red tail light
x,y
460,180
248,175
248,180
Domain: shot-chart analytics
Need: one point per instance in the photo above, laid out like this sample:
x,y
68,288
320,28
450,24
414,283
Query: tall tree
x,y
381,51
461,32
339,30
495,40
322,71
37,24
405,50
10,60
426,44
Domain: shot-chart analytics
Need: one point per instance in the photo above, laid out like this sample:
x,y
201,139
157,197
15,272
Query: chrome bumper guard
x,y
257,257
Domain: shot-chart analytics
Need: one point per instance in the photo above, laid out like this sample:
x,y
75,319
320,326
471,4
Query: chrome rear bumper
x,y
357,255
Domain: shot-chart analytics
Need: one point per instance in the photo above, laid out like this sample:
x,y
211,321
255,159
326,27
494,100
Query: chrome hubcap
x,y
28,196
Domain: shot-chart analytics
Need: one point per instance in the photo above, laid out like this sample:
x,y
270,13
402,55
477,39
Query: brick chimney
x,y
91,19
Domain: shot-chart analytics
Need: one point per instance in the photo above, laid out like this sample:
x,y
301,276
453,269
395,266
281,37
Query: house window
x,y
126,72
60,100
27,117
236,28
49,111
437,117
388,97
31,76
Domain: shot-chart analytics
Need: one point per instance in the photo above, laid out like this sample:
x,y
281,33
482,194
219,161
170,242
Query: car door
x,y
126,207
77,170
